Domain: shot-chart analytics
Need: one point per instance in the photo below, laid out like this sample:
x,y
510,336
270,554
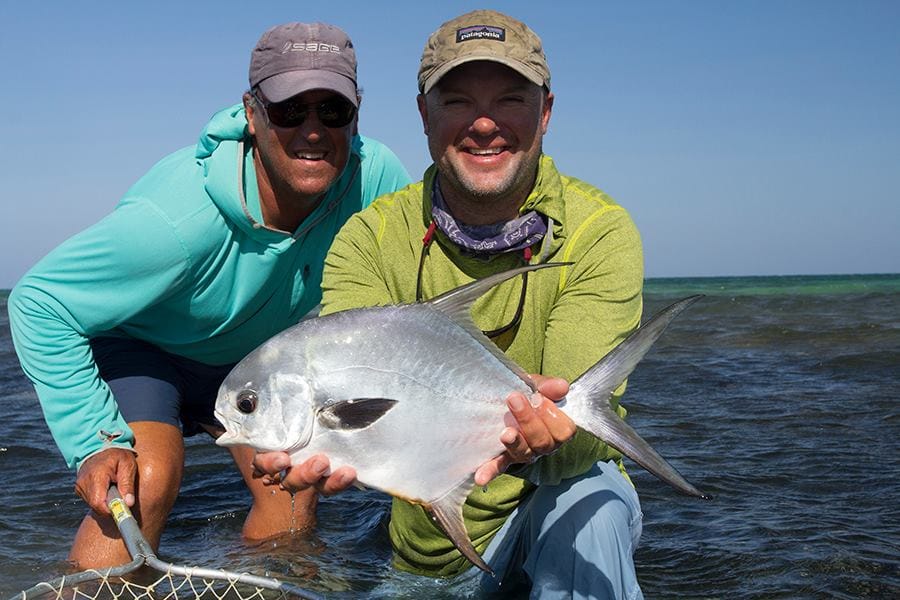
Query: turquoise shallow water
x,y
784,285
779,395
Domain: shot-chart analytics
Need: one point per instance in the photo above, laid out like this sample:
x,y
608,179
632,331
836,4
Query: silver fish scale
x,y
450,392
451,400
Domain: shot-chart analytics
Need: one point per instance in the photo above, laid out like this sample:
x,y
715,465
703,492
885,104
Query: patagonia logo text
x,y
309,47
480,32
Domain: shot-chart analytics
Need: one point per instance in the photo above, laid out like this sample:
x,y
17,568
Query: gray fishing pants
x,y
572,540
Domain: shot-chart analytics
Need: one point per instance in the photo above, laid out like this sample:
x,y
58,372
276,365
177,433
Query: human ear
x,y
546,111
356,117
423,111
250,109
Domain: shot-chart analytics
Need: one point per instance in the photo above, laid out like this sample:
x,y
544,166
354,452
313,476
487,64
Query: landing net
x,y
168,587
167,581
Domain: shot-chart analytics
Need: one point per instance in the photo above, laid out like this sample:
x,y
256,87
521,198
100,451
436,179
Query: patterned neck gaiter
x,y
496,238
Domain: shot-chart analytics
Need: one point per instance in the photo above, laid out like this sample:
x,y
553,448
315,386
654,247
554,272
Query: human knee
x,y
600,504
157,486
602,512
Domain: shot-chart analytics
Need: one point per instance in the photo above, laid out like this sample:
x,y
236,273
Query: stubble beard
x,y
511,188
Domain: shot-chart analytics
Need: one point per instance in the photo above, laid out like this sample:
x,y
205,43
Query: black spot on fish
x,y
356,413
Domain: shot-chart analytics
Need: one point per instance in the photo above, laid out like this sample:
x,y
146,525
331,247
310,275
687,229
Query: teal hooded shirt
x,y
183,263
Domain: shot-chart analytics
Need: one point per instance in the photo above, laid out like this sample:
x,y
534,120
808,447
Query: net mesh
x,y
169,586
126,582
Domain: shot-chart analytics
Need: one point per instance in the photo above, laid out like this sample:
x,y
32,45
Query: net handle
x,y
135,542
142,553
140,548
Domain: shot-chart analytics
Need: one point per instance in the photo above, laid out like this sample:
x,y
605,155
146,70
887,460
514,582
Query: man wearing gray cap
x,y
127,329
563,520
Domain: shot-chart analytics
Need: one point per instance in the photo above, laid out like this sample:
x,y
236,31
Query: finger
x,y
83,492
517,448
93,480
554,388
94,491
125,474
306,474
532,428
491,469
558,424
270,463
338,481
276,479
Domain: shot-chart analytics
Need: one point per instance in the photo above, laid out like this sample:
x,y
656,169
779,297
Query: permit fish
x,y
413,397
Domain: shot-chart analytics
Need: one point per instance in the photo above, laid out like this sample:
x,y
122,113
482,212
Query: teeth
x,y
311,155
485,151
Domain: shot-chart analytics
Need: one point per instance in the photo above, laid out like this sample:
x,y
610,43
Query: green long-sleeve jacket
x,y
571,318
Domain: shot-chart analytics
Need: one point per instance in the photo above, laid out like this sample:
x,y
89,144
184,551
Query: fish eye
x,y
246,401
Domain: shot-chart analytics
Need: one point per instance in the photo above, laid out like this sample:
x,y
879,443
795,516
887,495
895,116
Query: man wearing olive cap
x,y
563,519
127,329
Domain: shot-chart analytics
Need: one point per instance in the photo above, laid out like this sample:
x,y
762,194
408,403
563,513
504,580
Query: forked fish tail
x,y
588,400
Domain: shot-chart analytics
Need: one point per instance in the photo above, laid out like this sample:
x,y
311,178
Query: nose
x,y
484,125
311,129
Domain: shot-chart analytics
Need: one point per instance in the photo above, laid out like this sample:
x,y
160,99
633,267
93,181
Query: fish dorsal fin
x,y
356,413
457,305
447,513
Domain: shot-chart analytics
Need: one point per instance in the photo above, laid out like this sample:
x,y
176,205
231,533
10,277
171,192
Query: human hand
x,y
275,468
540,428
97,473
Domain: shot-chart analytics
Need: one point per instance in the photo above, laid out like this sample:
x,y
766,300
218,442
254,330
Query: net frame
x,y
177,582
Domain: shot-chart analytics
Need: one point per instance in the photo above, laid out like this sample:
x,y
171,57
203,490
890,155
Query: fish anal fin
x,y
357,413
447,513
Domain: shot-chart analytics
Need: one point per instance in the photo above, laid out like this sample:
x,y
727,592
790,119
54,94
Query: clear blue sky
x,y
744,137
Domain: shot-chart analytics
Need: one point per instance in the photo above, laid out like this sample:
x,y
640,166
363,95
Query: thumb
x,y
125,475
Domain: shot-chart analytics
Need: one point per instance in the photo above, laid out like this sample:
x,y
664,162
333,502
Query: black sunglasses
x,y
333,113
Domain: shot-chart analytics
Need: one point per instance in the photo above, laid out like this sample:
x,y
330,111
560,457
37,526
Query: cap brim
x,y
519,67
286,85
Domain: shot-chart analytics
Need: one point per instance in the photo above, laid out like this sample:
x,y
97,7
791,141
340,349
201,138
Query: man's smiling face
x,y
485,124
301,162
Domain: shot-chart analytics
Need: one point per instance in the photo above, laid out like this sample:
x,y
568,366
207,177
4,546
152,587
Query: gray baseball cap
x,y
483,35
294,58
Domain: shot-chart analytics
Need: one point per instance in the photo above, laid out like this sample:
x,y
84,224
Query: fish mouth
x,y
229,437
226,439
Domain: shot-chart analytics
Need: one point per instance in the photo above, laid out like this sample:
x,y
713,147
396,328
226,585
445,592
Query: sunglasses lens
x,y
336,112
333,113
287,113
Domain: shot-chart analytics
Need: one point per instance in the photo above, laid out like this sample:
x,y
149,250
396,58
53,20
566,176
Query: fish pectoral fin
x,y
447,513
356,413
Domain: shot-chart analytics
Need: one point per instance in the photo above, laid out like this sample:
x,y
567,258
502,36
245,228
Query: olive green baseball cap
x,y
483,35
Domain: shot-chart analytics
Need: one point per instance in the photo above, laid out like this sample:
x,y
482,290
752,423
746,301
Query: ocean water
x,y
778,395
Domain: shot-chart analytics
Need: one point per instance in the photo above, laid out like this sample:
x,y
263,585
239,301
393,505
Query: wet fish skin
x,y
413,398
